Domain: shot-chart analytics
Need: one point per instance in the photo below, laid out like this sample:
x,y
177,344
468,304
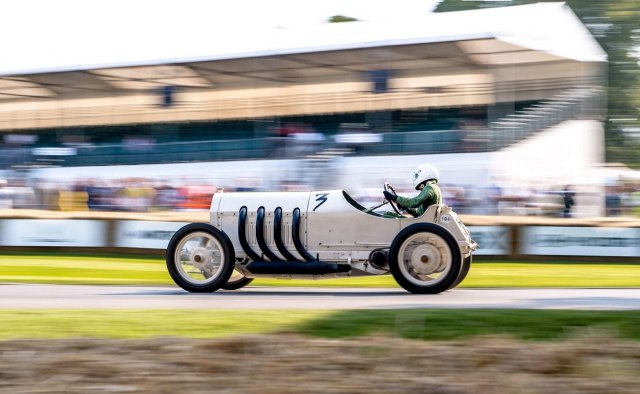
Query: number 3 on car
x,y
315,235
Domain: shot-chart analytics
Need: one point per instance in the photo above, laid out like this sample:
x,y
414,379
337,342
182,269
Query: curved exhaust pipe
x,y
277,236
242,235
260,236
295,235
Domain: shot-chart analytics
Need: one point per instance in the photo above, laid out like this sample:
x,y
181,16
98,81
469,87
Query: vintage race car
x,y
316,235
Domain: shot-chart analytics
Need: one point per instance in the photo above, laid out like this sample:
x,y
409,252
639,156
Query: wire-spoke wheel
x,y
200,258
425,259
237,281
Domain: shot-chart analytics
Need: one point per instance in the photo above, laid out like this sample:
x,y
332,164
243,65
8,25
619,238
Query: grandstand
x,y
460,87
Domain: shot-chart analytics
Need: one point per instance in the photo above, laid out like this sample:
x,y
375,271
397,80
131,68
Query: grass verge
x,y
423,324
123,270
70,269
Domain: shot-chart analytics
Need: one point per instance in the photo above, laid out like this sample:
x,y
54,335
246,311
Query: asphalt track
x,y
33,296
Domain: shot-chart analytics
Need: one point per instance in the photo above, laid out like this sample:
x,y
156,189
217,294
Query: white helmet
x,y
424,172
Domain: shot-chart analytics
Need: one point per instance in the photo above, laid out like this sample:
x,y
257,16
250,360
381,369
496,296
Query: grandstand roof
x,y
148,54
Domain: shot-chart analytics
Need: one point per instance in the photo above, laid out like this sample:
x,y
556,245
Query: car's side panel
x,y
225,210
337,231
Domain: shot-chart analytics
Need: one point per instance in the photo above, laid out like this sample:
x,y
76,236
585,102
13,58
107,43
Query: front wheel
x,y
200,258
466,266
424,258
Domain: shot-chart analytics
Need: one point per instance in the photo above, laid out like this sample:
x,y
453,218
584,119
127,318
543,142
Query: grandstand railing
x,y
417,142
578,102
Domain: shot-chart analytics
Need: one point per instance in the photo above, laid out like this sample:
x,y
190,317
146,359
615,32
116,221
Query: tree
x,y
616,27
341,18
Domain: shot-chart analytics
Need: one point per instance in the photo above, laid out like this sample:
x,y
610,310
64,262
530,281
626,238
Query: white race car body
x,y
314,235
333,227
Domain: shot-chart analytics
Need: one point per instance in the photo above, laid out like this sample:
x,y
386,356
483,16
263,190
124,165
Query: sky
x,y
25,15
45,34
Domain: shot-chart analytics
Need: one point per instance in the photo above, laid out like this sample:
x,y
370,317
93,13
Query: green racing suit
x,y
416,206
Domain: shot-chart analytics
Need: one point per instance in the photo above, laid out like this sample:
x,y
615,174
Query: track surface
x,y
21,296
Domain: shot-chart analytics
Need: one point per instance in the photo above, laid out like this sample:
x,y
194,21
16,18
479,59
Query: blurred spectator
x,y
22,196
72,201
101,197
613,201
493,193
6,195
136,196
453,196
166,198
513,201
196,197
567,198
544,202
247,184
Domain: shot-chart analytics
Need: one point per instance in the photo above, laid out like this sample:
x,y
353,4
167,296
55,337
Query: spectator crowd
x,y
145,195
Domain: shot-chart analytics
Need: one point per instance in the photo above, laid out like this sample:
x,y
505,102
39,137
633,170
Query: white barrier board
x,y
580,241
52,232
493,240
145,234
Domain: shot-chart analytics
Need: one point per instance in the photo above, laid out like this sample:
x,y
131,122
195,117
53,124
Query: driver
x,y
425,180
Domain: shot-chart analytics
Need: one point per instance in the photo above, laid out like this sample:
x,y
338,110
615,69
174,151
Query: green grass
x,y
65,269
143,323
429,324
447,324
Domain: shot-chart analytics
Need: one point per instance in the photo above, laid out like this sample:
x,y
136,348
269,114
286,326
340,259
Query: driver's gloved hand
x,y
389,196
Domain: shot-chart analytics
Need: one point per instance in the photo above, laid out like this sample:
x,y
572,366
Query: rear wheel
x,y
200,258
237,281
424,258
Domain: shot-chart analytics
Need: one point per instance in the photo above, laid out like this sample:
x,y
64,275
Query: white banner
x,y
143,234
580,241
52,232
493,240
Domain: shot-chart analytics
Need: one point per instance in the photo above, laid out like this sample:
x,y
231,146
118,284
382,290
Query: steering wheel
x,y
394,205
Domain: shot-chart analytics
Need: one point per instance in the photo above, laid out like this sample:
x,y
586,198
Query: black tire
x,y
235,284
466,265
221,245
401,271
